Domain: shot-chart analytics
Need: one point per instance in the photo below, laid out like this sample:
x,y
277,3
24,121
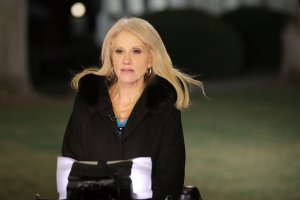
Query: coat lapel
x,y
94,90
107,113
137,115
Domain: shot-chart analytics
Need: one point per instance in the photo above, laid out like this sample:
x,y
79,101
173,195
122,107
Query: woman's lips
x,y
127,70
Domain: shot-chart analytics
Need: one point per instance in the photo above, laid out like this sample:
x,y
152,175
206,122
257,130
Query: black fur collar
x,y
158,94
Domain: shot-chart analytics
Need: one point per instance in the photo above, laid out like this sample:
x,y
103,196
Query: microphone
x,y
111,117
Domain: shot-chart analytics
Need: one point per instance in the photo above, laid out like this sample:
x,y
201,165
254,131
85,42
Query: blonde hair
x,y
162,64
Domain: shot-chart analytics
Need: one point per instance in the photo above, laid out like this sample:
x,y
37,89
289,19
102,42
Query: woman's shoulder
x,y
91,87
91,81
160,94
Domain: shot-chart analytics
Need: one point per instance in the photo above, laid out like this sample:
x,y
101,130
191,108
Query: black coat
x,y
153,130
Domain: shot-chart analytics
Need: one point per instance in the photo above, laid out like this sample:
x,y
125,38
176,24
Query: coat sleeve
x,y
168,172
73,139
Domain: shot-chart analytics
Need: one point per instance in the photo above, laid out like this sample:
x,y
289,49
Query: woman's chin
x,y
130,80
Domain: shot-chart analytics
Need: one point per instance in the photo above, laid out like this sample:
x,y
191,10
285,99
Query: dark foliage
x,y
261,31
199,43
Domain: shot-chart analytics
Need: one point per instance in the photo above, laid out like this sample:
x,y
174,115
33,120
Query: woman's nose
x,y
127,58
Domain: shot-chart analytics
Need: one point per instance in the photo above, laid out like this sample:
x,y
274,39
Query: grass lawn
x,y
241,144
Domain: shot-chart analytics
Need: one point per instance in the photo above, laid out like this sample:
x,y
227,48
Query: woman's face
x,y
130,58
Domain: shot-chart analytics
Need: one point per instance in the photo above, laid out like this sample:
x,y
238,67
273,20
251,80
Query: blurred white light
x,y
78,9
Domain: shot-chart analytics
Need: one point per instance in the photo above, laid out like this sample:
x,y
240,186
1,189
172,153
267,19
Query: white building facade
x,y
113,9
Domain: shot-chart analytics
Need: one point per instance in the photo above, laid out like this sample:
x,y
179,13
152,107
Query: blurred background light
x,y
78,10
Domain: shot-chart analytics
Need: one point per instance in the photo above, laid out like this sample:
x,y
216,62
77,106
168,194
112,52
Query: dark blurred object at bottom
x,y
190,193
102,181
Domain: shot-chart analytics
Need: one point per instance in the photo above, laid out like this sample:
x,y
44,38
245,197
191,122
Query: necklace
x,y
123,109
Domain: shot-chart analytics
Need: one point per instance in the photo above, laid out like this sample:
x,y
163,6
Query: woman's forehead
x,y
127,38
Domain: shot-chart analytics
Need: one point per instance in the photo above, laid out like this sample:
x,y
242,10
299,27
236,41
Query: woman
x,y
130,107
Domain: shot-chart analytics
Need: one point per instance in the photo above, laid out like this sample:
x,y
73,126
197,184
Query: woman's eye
x,y
119,51
137,51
